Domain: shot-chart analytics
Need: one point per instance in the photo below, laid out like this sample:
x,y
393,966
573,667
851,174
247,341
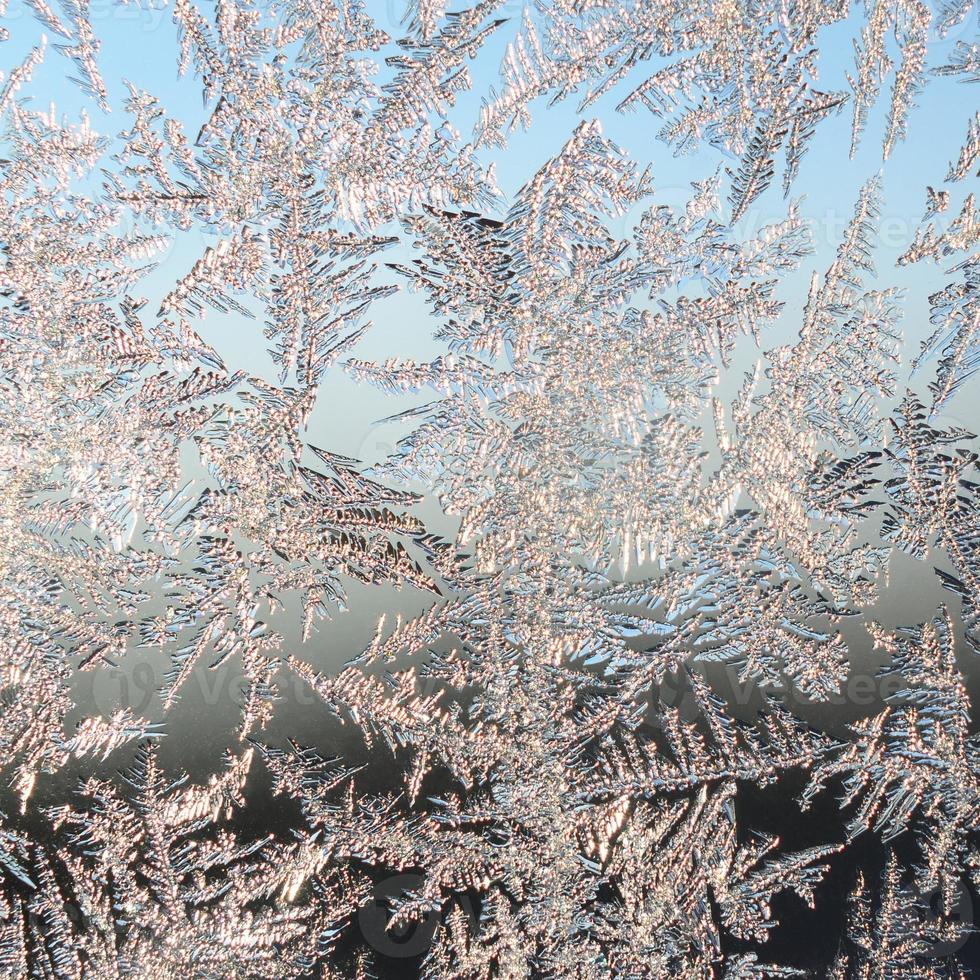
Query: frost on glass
x,y
669,576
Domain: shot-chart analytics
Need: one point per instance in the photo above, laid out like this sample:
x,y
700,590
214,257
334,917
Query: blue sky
x,y
139,44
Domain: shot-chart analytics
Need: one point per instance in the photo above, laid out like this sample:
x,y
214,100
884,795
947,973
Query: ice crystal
x,y
668,491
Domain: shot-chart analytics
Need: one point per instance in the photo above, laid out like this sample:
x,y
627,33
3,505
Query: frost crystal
x,y
645,633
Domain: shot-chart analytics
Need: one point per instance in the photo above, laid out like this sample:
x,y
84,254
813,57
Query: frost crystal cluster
x,y
639,639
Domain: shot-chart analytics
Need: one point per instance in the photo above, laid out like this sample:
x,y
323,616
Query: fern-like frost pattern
x,y
670,567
